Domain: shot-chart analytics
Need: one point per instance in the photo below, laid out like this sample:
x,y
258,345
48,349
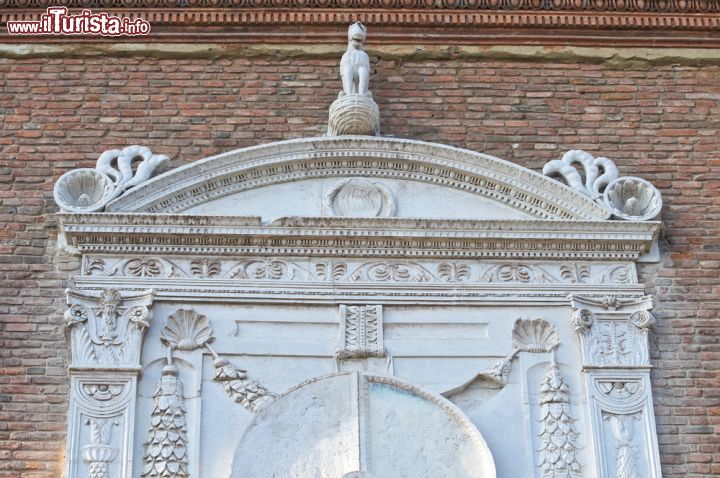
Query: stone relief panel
x,y
100,419
351,271
614,338
613,335
106,335
361,332
622,413
359,197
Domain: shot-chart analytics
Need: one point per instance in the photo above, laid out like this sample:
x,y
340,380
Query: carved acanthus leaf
x,y
107,330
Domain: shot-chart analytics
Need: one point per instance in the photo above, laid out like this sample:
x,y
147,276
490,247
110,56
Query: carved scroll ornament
x,y
629,198
116,171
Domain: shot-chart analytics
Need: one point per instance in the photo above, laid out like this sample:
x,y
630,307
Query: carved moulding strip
x,y
236,292
584,6
361,156
468,26
106,331
361,332
378,237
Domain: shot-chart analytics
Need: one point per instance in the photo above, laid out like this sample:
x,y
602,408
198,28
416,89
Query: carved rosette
x,y
116,171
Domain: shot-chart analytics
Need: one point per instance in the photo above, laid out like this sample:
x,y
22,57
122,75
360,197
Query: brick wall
x,y
661,123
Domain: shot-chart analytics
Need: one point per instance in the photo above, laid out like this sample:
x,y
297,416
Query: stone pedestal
x,y
354,114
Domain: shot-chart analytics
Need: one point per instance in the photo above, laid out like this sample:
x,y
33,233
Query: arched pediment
x,y
317,167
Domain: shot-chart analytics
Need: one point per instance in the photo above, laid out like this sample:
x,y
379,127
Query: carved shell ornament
x,y
116,171
627,197
359,197
186,330
534,335
633,199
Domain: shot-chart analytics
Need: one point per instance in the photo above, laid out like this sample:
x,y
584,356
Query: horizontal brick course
x,y
659,123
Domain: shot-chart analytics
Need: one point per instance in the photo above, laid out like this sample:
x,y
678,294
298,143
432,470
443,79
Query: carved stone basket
x,y
354,114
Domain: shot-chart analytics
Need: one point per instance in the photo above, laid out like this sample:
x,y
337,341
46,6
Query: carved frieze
x,y
351,271
517,241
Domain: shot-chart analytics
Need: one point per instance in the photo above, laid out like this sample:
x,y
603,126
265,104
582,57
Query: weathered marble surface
x,y
419,280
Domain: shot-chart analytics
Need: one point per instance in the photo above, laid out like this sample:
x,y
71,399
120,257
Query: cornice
x,y
313,293
472,22
185,234
585,6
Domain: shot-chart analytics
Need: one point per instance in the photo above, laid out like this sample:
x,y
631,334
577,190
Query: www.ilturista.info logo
x,y
57,21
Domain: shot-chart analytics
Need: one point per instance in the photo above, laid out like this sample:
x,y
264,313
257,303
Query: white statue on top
x,y
355,63
354,111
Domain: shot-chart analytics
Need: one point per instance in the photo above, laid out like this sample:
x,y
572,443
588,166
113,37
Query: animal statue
x,y
355,63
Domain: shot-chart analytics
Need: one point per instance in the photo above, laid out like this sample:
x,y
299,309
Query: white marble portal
x,y
358,306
